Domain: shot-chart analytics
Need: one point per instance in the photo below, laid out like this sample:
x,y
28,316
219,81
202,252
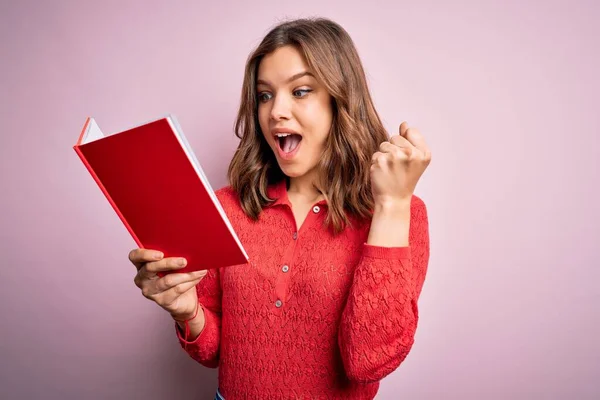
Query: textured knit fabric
x,y
311,315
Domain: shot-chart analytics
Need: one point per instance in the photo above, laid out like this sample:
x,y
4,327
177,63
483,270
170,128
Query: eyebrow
x,y
291,79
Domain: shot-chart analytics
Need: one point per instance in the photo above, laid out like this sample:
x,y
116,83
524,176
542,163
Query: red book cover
x,y
154,182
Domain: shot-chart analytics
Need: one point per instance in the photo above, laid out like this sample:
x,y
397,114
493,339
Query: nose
x,y
281,108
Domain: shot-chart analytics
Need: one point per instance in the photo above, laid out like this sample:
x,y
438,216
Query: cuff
x,y
386,253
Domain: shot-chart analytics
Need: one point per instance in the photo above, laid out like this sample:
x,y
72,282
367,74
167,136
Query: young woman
x,y
323,202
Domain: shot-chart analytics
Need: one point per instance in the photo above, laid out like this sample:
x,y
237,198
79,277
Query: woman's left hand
x,y
398,165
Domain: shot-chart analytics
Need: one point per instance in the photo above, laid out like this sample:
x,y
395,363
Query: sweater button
x,y
295,235
278,303
316,209
285,268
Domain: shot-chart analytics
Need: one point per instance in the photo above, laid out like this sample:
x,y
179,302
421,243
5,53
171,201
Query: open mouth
x,y
288,142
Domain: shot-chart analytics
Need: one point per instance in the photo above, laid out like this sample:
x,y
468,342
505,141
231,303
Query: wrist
x,y
193,325
188,316
390,224
393,207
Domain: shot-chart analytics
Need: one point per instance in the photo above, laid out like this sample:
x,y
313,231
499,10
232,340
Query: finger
x,y
166,264
376,156
401,141
149,271
169,281
150,288
417,140
382,160
169,296
143,277
140,256
397,152
403,128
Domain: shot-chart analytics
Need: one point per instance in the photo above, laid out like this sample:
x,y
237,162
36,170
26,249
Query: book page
x,y
93,132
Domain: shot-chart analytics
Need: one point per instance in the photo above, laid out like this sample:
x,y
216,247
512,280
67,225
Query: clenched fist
x,y
398,165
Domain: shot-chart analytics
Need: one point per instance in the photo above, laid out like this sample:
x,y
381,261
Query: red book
x,y
155,184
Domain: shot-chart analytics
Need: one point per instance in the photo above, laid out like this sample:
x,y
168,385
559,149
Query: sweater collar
x,y
278,191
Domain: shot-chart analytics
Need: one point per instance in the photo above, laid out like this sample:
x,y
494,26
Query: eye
x,y
264,97
301,92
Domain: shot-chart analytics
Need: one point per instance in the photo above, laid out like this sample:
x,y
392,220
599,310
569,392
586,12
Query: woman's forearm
x,y
390,225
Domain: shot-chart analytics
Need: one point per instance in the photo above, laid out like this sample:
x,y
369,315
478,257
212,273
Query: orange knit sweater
x,y
311,315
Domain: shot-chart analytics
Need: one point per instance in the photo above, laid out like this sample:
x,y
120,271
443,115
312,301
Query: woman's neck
x,y
304,187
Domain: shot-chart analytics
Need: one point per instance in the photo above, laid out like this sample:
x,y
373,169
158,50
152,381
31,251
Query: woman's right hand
x,y
175,292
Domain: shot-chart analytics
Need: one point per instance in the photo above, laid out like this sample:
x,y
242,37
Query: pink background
x,y
506,95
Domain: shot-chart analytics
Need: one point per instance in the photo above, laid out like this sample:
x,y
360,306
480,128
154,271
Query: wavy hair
x,y
356,130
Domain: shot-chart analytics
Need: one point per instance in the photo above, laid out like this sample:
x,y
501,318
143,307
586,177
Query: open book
x,y
154,182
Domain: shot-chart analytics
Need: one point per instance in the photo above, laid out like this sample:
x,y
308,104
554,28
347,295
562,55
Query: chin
x,y
296,170
292,172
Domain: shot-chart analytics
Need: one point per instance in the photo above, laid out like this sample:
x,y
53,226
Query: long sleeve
x,y
205,348
380,318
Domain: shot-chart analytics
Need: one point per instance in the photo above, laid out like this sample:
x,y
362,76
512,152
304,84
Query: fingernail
x,y
158,255
181,261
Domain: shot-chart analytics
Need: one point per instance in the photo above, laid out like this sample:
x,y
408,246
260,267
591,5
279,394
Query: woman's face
x,y
294,111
